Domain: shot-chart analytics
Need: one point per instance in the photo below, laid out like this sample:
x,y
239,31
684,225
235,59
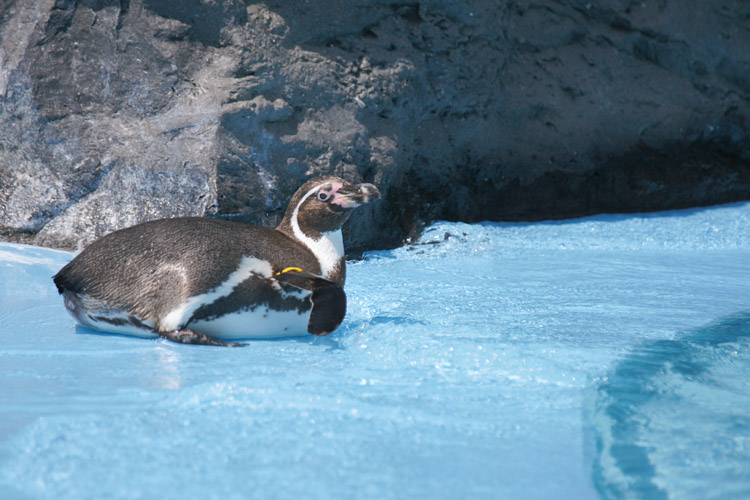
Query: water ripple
x,y
671,419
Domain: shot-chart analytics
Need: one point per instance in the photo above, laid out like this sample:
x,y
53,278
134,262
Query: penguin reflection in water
x,y
207,281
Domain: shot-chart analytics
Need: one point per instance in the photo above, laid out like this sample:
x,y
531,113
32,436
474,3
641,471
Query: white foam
x,y
16,258
16,253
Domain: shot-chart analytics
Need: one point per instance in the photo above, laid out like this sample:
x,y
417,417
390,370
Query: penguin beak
x,y
352,196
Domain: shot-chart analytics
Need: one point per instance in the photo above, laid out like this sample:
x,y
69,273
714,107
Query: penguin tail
x,y
62,281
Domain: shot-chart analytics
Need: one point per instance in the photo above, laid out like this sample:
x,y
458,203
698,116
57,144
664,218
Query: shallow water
x,y
598,357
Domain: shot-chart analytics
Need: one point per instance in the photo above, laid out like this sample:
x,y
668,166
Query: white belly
x,y
96,315
96,323
260,323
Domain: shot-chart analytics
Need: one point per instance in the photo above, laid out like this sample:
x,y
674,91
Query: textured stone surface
x,y
114,112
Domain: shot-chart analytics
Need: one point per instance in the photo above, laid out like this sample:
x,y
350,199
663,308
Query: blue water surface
x,y
599,357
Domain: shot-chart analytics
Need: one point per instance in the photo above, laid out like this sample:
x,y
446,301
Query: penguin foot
x,y
193,337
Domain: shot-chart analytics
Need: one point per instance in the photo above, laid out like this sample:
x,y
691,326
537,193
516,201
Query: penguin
x,y
206,281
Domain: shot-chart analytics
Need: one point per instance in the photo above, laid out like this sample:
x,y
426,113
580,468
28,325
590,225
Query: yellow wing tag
x,y
287,269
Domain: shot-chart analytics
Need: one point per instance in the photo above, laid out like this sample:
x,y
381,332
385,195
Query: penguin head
x,y
323,204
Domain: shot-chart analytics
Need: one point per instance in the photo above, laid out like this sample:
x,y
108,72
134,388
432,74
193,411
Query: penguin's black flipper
x,y
192,337
328,310
328,299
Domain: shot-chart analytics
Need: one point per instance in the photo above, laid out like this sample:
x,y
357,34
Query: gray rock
x,y
115,112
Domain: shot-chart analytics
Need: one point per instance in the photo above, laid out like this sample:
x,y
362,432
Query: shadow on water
x,y
332,341
86,331
663,382
382,321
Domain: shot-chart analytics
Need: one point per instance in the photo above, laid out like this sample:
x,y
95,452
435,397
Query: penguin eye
x,y
323,196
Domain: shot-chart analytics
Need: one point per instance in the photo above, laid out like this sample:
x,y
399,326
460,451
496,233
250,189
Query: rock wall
x,y
117,111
